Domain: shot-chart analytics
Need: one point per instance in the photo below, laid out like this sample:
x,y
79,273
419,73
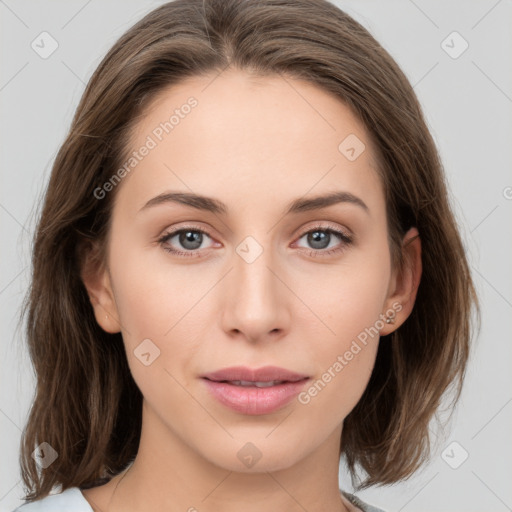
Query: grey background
x,y
468,104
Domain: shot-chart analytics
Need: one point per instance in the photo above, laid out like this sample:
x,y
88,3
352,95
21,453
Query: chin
x,y
258,456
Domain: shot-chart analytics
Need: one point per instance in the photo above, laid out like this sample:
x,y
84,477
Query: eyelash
x,y
346,241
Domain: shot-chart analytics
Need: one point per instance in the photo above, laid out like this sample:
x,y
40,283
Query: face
x,y
258,275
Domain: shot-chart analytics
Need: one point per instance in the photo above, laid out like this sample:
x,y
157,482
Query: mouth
x,y
264,375
254,392
248,383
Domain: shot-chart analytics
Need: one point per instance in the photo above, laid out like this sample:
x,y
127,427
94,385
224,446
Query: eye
x,y
321,239
189,238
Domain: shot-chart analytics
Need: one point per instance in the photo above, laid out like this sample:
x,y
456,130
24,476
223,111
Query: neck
x,y
168,474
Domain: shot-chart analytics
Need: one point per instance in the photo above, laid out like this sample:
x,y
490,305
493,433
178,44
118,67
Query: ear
x,y
404,283
97,281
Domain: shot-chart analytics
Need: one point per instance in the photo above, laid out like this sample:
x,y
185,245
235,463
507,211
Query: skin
x,y
256,144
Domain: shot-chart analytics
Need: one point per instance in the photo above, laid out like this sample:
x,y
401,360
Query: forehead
x,y
236,135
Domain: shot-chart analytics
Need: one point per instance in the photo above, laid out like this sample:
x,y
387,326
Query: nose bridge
x,y
255,301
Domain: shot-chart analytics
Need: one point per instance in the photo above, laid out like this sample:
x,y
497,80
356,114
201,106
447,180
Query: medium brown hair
x,y
87,405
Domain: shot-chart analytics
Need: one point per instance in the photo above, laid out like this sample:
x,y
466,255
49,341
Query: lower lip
x,y
252,400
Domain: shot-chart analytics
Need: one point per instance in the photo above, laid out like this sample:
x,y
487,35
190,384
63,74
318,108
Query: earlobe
x,y
404,286
97,281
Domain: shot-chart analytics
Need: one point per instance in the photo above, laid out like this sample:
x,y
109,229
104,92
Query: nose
x,y
256,298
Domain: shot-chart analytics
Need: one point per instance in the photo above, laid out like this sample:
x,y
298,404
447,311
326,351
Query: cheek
x,y
160,309
340,385
153,296
345,353
349,305
349,297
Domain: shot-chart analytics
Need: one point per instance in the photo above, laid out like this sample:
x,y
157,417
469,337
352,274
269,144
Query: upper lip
x,y
264,374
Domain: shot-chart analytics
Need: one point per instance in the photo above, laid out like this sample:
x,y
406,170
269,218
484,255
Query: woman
x,y
246,267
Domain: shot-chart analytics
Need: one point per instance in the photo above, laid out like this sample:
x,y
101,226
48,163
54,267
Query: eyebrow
x,y
215,206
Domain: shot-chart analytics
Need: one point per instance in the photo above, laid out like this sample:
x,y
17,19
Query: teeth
x,y
257,384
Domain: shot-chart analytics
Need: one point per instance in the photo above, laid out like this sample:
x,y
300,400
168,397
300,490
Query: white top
x,y
72,500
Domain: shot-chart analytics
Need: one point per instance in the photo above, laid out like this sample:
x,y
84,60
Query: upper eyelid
x,y
326,227
321,225
186,225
